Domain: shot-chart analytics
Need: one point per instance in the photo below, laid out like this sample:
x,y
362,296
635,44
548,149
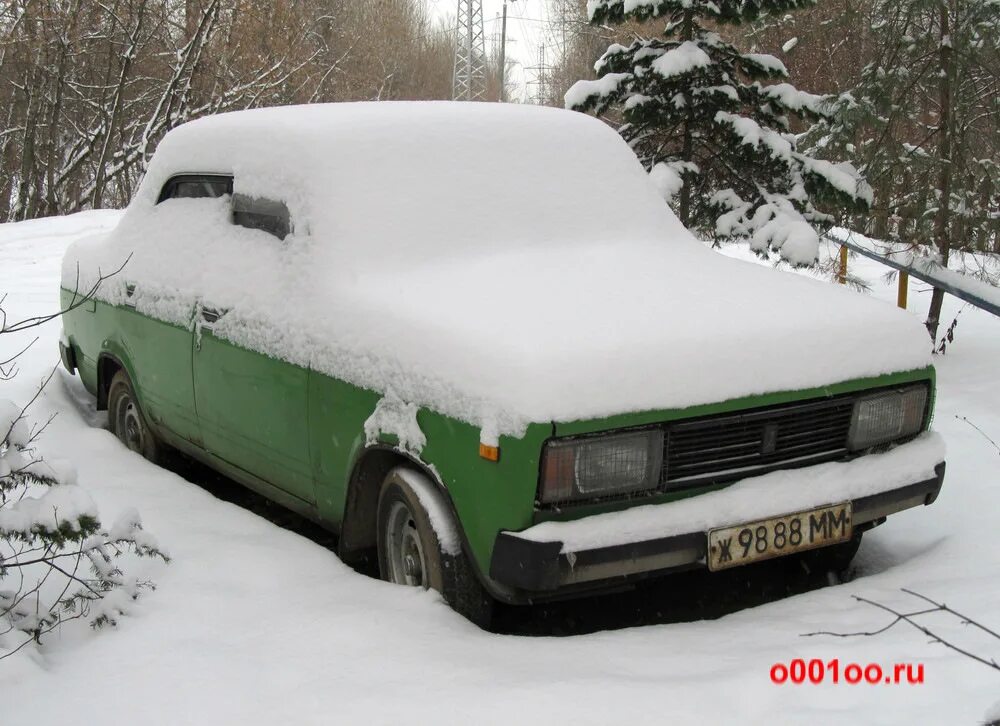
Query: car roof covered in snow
x,y
414,179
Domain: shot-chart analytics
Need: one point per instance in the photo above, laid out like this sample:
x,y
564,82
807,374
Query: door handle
x,y
207,318
210,316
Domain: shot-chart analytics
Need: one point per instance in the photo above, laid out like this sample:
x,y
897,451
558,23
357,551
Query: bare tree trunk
x,y
51,201
942,218
22,207
881,210
6,162
192,18
687,152
128,57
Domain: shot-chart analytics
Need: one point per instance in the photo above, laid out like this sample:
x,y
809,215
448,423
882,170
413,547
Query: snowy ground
x,y
252,623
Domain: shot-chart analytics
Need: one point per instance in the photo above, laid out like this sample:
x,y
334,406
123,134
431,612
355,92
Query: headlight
x,y
601,466
886,417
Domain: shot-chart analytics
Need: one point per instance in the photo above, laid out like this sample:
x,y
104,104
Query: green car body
x,y
298,436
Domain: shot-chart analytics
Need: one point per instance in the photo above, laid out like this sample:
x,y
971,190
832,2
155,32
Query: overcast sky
x,y
524,33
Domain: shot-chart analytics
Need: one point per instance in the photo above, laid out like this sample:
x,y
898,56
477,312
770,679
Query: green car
x,y
473,341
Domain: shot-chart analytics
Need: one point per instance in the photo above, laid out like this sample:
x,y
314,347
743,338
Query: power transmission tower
x,y
503,55
469,79
541,71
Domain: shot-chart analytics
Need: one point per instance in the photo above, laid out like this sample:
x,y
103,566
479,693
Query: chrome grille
x,y
728,447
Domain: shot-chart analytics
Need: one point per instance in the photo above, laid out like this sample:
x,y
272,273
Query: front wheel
x,y
127,420
418,545
834,558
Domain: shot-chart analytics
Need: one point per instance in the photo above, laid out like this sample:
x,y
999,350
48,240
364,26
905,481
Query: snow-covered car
x,y
473,340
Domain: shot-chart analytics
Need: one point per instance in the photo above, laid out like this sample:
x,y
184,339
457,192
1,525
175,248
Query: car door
x,y
161,368
252,409
160,352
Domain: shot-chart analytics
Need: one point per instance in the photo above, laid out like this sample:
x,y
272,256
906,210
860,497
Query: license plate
x,y
755,541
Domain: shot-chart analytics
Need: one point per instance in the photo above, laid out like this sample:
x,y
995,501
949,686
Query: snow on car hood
x,y
498,264
587,331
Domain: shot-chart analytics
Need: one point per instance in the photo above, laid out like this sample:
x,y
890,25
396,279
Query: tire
x,y
410,550
835,558
128,422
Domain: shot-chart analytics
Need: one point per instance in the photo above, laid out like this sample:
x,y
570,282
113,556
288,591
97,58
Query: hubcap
x,y
405,554
130,427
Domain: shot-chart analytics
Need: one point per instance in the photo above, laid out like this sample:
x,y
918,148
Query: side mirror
x,y
266,215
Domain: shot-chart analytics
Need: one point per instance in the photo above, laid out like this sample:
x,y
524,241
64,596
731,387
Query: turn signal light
x,y
490,453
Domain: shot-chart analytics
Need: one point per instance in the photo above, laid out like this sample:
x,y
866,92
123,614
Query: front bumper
x,y
546,567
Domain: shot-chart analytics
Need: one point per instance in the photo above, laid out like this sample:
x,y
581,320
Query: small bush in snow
x,y
58,561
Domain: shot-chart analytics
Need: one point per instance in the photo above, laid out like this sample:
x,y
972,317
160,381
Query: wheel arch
x,y
358,530
108,364
371,466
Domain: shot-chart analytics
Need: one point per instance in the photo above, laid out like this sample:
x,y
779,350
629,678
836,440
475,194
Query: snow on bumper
x,y
673,535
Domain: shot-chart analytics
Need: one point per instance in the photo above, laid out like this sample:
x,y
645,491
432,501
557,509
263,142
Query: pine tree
x,y
714,125
923,123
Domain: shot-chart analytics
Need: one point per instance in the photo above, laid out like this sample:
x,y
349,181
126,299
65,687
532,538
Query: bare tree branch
x,y
910,618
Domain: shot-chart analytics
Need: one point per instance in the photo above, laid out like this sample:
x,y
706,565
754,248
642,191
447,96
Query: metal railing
x,y
906,270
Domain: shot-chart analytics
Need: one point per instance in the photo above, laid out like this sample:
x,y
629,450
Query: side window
x,y
263,214
196,186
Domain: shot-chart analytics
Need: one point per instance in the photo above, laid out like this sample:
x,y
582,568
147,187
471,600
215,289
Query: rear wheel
x,y
420,551
127,420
